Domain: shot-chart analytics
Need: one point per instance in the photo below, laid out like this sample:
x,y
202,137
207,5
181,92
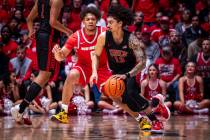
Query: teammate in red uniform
x,y
83,41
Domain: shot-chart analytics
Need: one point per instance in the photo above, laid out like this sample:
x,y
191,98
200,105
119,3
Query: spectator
x,y
138,22
9,46
21,65
178,48
193,32
149,9
185,22
170,71
161,36
152,85
202,60
152,49
191,92
74,15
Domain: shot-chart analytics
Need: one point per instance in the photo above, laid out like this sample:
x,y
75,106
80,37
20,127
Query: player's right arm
x,y
32,15
55,10
61,53
96,57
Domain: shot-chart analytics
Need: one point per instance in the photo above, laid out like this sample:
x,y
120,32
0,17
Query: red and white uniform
x,y
149,92
85,46
192,92
203,66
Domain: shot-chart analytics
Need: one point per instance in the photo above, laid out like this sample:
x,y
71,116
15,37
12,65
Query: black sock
x,y
33,91
154,102
152,116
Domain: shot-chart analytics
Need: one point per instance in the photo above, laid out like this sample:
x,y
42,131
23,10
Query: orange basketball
x,y
114,87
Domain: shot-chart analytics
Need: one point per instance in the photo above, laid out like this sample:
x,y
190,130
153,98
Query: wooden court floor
x,y
104,127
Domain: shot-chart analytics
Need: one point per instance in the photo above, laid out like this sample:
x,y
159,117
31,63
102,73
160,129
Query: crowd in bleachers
x,y
176,34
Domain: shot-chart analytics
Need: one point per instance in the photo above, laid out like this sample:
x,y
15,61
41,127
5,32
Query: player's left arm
x,y
138,48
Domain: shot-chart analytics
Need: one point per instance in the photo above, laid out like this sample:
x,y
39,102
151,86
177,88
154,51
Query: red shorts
x,y
85,73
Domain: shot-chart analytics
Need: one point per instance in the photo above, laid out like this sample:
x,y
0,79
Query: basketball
x,y
114,87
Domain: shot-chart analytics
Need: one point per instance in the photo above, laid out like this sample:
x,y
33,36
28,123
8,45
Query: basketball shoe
x,y
21,118
144,124
157,126
161,107
62,117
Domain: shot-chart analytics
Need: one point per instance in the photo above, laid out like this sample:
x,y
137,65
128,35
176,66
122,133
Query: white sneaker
x,y
21,118
16,115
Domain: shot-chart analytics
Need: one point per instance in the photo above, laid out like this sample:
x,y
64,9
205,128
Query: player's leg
x,y
46,63
137,103
72,79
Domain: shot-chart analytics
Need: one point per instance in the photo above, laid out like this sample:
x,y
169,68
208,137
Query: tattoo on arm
x,y
138,48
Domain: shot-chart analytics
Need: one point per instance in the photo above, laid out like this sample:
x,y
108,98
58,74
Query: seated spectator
x,y
138,22
161,36
15,29
105,4
157,22
184,23
74,22
18,14
13,88
193,32
149,9
194,47
178,48
21,64
206,25
191,92
202,60
152,85
152,49
9,46
170,71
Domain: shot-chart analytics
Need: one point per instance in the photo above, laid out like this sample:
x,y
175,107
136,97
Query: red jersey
x,y
149,92
203,66
85,45
168,70
10,49
192,92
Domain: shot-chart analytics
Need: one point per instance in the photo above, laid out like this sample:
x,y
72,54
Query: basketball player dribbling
x,y
48,12
126,58
83,41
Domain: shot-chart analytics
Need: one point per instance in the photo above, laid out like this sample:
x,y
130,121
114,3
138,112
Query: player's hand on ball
x,y
119,76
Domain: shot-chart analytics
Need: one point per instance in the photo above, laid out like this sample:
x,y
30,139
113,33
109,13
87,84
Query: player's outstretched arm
x,y
96,57
60,53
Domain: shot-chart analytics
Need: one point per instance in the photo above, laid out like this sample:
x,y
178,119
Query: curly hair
x,y
90,9
120,13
